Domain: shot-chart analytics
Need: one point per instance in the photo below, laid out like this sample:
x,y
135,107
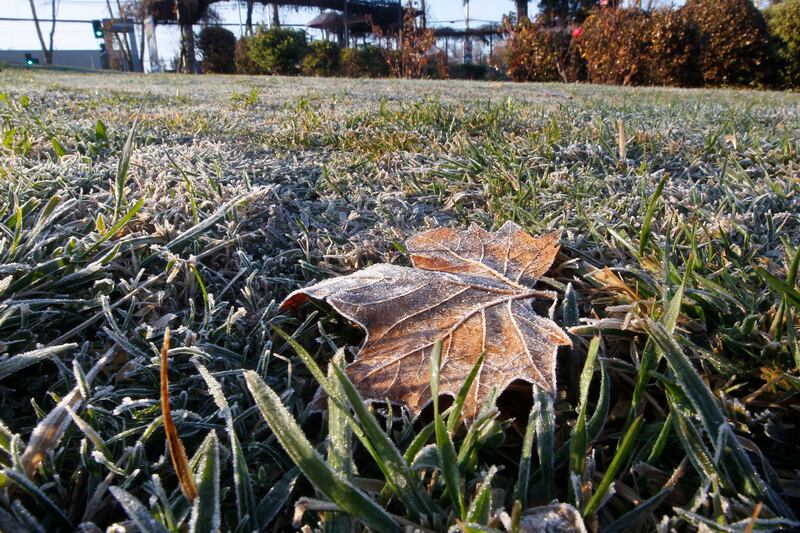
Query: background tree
x,y
217,45
47,51
248,22
563,12
187,12
522,9
138,10
122,42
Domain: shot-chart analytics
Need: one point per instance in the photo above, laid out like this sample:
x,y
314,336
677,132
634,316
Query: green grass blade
x,y
58,148
38,494
419,441
600,415
638,513
324,479
579,440
397,471
181,241
650,354
395,468
9,524
481,507
524,470
117,226
617,463
444,443
21,361
5,437
647,221
242,483
269,507
458,405
100,133
137,512
785,289
545,440
206,507
124,163
738,465
339,450
661,441
702,399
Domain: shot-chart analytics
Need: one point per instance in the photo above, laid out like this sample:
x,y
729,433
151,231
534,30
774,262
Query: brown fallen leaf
x,y
176,450
471,289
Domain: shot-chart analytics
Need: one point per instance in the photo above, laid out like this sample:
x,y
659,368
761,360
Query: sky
x,y
78,36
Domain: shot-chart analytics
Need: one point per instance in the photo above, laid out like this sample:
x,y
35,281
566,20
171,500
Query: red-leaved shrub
x,y
614,45
535,52
672,49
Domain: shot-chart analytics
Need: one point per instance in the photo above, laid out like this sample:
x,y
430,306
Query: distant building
x,y
88,59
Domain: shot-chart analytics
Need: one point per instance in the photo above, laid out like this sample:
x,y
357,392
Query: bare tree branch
x,y
52,29
48,58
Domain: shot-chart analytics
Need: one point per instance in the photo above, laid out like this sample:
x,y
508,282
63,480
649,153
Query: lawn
x,y
134,203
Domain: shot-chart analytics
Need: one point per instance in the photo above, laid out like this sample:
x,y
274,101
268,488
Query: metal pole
x,y
137,63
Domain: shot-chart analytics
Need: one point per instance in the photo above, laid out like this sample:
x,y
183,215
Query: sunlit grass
x,y
678,281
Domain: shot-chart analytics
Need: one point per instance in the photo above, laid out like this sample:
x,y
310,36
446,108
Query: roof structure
x,y
481,31
382,13
333,22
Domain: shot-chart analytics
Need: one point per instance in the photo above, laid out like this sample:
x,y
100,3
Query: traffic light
x,y
97,26
30,60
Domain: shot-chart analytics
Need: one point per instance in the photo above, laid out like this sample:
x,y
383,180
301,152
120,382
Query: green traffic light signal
x,y
30,60
97,26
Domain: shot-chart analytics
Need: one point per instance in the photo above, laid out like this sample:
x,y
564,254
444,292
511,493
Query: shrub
x,y
324,58
469,72
278,50
673,49
632,47
735,46
217,45
365,62
242,59
614,44
783,20
534,52
408,53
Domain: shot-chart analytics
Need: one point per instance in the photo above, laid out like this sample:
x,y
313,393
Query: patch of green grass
x,y
679,209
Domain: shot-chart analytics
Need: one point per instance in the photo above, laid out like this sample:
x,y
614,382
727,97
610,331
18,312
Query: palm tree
x,y
522,9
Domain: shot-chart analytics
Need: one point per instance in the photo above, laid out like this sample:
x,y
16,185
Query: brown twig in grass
x,y
176,450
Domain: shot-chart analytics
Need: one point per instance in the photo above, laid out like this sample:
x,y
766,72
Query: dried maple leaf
x,y
471,289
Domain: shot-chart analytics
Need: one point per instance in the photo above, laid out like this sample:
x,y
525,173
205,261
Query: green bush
x,y
735,46
468,72
783,20
217,45
278,50
365,62
243,61
324,58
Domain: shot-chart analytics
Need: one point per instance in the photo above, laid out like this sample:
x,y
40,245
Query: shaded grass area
x,y
679,211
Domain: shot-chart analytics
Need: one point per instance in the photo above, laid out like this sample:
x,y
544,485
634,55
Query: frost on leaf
x,y
472,289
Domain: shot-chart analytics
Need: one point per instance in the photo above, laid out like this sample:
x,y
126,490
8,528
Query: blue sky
x,y
73,36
